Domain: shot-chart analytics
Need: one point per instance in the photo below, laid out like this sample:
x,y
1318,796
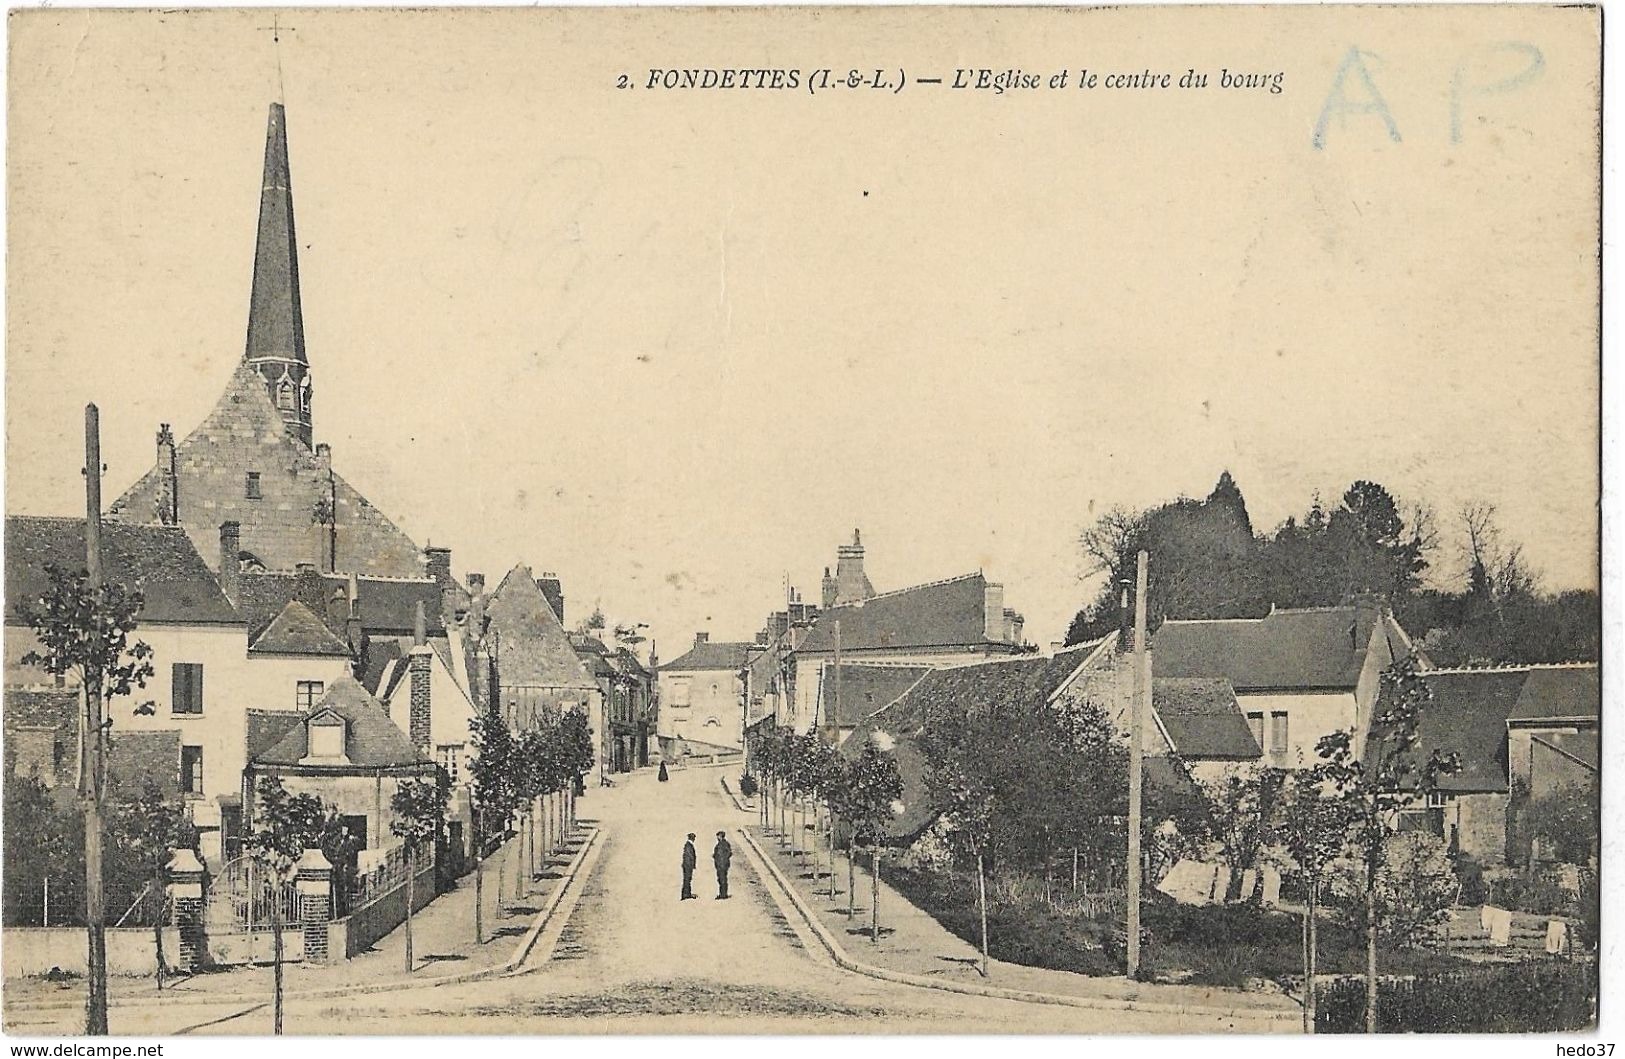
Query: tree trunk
x,y
1371,953
981,900
851,877
874,894
95,918
1310,996
479,887
276,955
158,931
411,882
1074,871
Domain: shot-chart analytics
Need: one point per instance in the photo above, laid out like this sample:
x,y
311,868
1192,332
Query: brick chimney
x,y
437,562
993,612
553,589
352,622
830,588
418,661
701,637
231,568
169,502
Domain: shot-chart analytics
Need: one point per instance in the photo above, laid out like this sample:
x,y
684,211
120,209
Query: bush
x,y
748,785
1531,997
1416,886
1534,891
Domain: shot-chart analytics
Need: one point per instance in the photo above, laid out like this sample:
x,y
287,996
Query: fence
x,y
58,900
1536,996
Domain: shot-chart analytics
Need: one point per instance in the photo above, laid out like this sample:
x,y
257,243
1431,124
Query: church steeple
x,y
276,326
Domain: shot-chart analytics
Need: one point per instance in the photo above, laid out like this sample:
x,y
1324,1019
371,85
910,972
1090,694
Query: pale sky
x,y
676,345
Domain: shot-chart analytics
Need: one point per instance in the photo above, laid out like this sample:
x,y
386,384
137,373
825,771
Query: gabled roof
x,y
629,663
267,728
711,655
296,631
864,689
1202,719
1468,715
951,613
1312,648
371,739
532,648
1549,692
160,561
388,605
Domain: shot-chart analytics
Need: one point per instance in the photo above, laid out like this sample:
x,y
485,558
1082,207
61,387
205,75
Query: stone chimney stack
x,y
169,501
701,637
830,588
419,721
352,623
851,583
1013,623
437,563
231,568
993,612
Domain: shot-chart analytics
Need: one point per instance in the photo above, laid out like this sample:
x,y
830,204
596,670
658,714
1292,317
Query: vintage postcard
x,y
802,520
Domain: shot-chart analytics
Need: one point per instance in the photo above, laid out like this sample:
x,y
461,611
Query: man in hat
x,y
721,856
690,859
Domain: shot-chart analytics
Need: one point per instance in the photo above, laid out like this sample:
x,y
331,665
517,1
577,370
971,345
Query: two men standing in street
x,y
721,859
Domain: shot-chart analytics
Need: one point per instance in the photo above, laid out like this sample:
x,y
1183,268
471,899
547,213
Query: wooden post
x,y
93,746
1142,691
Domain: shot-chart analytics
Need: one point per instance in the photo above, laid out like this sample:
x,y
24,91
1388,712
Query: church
x,y
252,461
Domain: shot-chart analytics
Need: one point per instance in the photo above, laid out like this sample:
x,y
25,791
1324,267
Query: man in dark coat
x,y
690,859
721,856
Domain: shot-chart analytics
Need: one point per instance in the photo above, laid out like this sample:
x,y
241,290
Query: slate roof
x,y
729,655
1559,691
133,757
949,613
1468,714
388,605
296,631
160,561
533,650
1203,719
1318,648
267,728
864,689
371,739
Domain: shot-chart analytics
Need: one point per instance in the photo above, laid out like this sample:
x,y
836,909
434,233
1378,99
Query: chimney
x,y
553,589
169,507
437,561
420,626
352,622
305,569
324,453
829,589
1012,625
851,583
231,568
702,637
993,613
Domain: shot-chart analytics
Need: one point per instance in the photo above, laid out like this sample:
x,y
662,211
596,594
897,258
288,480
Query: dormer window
x,y
326,739
251,485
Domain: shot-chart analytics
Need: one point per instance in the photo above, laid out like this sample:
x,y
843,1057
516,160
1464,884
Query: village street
x,y
634,959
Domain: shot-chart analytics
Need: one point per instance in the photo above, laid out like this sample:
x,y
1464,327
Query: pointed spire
x,y
276,326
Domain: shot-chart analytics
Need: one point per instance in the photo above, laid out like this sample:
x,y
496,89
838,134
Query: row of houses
x,y
1225,694
296,631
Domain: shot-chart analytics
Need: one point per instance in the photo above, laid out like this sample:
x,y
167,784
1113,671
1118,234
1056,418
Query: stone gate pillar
x,y
185,884
313,883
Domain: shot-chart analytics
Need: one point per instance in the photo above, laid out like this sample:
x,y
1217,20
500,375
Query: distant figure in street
x,y
690,859
663,776
721,856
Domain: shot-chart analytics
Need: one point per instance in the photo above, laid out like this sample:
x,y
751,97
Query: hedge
x,y
1535,996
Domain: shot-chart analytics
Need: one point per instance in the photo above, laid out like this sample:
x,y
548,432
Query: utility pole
x,y
830,717
1142,691
93,743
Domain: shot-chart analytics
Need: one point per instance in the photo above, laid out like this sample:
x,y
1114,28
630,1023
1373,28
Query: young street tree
x,y
876,785
420,806
491,766
84,629
149,828
1375,786
285,825
1312,827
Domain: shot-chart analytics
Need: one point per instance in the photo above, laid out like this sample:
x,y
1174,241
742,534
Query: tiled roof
x,y
267,728
160,561
533,650
864,689
1559,691
133,757
296,631
378,656
388,605
1312,648
1203,719
729,655
948,613
53,708
1468,715
371,739
137,760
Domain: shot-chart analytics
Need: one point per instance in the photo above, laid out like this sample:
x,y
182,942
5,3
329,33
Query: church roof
x,y
533,650
276,326
159,561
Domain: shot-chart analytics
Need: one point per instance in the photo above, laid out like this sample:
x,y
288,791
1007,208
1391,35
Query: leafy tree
x,y
876,785
1376,785
1565,822
284,826
1243,804
491,769
86,632
420,806
1312,828
146,830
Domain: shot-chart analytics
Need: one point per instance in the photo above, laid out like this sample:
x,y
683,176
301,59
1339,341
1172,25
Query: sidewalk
x,y
442,944
913,943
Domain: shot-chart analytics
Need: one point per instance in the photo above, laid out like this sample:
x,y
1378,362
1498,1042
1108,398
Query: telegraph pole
x,y
1142,691
93,747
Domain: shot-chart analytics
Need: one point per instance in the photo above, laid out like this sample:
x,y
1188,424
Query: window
x,y
186,687
308,694
1278,732
679,693
251,485
192,769
284,395
327,740
449,761
1255,721
1437,799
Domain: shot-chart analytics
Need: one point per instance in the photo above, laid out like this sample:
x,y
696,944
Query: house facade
x,y
702,697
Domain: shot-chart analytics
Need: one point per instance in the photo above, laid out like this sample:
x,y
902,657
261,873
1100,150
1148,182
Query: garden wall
x,y
35,950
